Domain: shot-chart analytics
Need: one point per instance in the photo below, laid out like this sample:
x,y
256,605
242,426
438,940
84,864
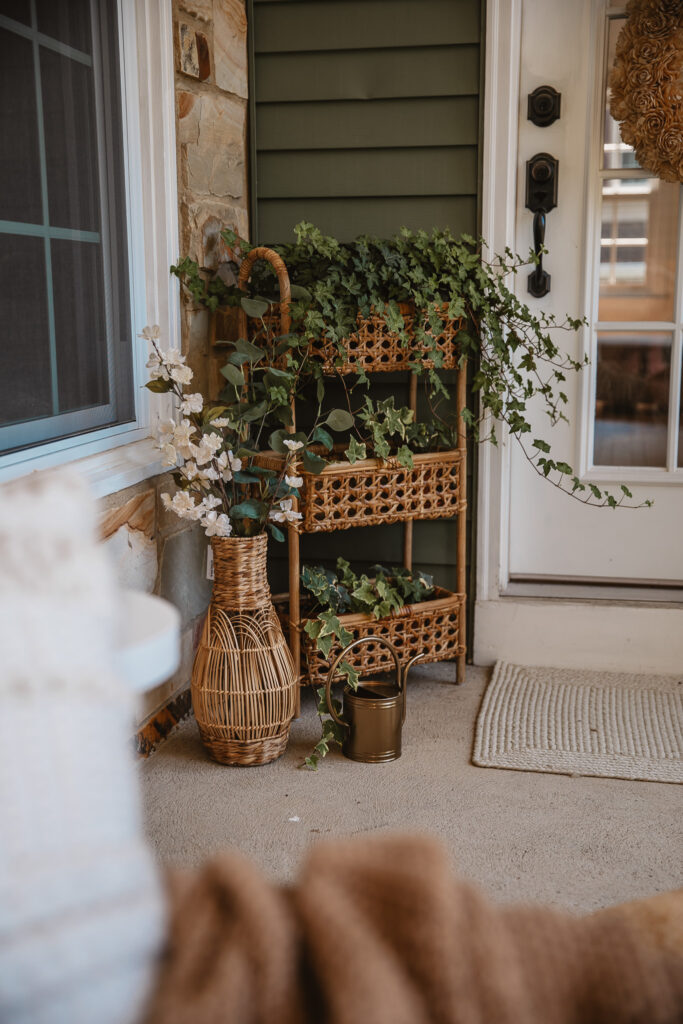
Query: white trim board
x,y
588,634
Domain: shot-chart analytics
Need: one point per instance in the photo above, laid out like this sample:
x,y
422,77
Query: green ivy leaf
x,y
313,463
339,419
233,375
255,308
356,451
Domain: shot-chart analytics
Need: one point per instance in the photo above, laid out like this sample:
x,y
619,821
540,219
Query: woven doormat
x,y
575,722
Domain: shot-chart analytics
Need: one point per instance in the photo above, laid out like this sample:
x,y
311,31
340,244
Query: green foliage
x,y
336,593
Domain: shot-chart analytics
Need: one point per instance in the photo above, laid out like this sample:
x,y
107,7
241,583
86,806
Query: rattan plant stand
x,y
374,491
244,686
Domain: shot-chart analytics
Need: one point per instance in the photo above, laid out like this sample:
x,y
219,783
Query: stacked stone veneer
x,y
154,550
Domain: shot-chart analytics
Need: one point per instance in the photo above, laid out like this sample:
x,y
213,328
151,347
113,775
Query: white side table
x,y
149,640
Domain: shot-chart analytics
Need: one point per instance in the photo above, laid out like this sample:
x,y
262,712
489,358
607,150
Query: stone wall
x,y
211,113
152,549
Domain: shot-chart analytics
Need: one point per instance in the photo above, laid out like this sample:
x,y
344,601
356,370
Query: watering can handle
x,y
357,643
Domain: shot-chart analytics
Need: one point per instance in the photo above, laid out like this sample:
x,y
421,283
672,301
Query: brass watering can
x,y
373,715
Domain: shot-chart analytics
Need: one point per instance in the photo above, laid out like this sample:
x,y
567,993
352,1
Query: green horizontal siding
x,y
354,124
363,24
367,74
365,116
350,173
375,216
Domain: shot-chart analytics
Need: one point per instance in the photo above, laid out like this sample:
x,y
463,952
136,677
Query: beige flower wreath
x,y
647,86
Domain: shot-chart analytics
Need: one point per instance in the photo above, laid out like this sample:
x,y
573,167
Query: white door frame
x,y
579,632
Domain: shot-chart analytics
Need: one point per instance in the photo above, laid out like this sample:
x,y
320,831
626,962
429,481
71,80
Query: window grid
x,y
45,230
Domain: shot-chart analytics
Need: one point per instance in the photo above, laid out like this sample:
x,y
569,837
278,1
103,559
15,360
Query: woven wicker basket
x,y
372,347
243,680
372,492
430,628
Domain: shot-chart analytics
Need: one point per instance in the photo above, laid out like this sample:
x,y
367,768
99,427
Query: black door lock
x,y
541,197
543,106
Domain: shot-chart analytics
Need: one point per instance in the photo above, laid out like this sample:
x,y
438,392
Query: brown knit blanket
x,y
378,931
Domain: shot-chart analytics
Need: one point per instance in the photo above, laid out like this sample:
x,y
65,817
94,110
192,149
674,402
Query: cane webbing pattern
x,y
431,628
373,347
373,492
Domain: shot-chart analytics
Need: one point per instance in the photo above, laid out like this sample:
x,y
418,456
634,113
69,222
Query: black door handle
x,y
541,197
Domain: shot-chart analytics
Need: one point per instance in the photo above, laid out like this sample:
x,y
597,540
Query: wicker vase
x,y
243,680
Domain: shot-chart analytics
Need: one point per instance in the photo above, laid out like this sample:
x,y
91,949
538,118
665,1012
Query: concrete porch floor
x,y
578,843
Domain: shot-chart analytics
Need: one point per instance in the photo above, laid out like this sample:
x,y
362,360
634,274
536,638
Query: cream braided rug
x,y
575,722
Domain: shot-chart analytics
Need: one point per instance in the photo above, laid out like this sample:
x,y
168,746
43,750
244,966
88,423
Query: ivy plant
x,y
335,593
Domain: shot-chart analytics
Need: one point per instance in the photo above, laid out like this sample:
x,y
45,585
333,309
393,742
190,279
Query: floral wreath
x,y
647,87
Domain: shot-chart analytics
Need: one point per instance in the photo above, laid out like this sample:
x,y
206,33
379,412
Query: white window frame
x,y
672,474
118,456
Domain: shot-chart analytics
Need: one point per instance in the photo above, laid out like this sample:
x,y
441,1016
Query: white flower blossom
x,y
156,367
283,513
207,448
209,502
182,439
192,403
151,333
183,504
220,421
292,445
181,374
170,455
216,525
165,431
207,475
294,481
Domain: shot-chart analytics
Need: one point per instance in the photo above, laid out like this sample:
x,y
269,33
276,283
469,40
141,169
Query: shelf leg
x,y
461,567
294,612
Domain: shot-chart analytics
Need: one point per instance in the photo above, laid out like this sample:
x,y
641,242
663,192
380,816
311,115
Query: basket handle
x,y
335,665
278,265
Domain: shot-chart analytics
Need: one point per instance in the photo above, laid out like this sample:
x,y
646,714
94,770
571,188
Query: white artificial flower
x,y
156,367
192,403
151,333
235,463
170,455
293,445
209,502
183,504
217,525
283,513
207,475
207,448
173,357
165,431
220,421
182,439
294,481
180,374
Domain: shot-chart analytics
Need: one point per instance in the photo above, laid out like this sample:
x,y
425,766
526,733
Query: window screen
x,y
65,342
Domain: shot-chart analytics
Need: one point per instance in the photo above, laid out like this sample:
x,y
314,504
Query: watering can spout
x,y
404,680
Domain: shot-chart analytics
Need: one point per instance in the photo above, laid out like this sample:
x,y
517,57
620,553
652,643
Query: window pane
x,y
20,197
20,10
24,348
638,245
79,325
67,21
70,142
632,399
616,154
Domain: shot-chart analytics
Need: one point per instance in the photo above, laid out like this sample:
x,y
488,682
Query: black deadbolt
x,y
543,106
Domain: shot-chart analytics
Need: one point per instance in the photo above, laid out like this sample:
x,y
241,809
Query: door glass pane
x,y
632,398
615,154
638,244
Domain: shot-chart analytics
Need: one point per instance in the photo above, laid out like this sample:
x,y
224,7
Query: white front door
x,y
614,255
613,244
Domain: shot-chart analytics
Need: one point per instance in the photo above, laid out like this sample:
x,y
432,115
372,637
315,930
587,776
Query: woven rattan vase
x,y
243,680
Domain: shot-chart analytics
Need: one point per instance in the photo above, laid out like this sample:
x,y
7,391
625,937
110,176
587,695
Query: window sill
x,y
133,459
